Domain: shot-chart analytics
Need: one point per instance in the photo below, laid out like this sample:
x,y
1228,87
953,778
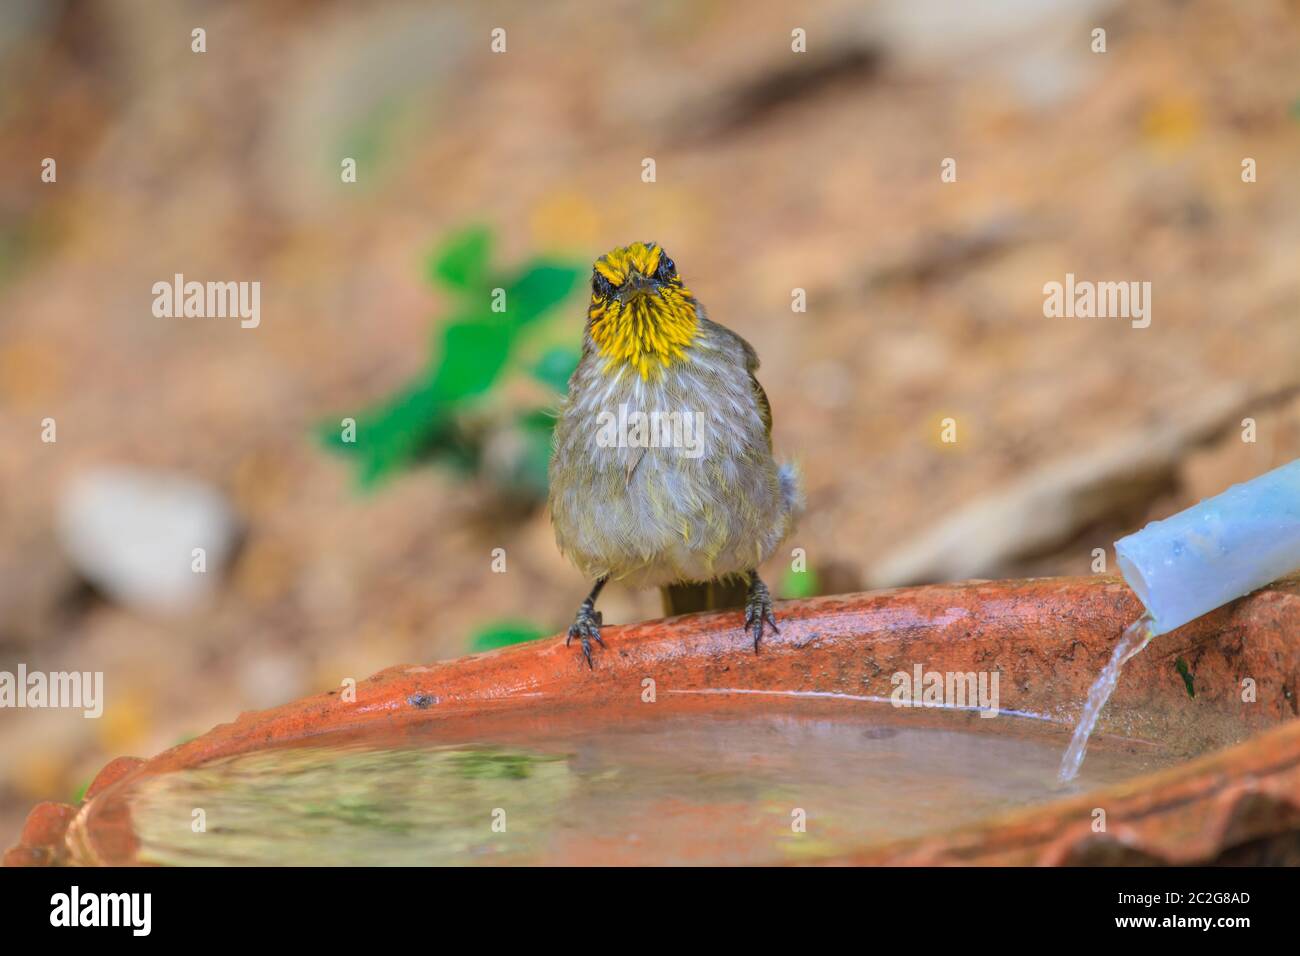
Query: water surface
x,y
725,787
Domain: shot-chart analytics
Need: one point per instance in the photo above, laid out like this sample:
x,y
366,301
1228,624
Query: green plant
x,y
503,634
799,584
446,414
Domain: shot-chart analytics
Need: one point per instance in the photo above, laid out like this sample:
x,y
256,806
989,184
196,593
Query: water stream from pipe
x,y
1135,637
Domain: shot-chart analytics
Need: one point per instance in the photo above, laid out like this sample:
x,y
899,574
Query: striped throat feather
x,y
640,314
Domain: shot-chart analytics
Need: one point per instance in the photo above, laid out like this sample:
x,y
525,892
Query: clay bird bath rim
x,y
1235,799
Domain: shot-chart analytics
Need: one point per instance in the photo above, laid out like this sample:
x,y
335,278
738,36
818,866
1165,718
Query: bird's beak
x,y
637,285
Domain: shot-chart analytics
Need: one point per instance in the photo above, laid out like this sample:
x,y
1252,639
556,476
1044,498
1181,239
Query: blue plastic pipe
x,y
1216,551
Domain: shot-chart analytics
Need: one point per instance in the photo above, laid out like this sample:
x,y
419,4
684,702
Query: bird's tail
x,y
791,490
717,595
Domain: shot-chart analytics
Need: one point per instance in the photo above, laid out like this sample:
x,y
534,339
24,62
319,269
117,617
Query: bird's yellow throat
x,y
640,315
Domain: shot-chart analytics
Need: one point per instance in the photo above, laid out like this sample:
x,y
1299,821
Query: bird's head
x,y
640,315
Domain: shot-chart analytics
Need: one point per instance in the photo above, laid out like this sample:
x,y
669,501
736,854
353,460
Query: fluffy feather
x,y
653,516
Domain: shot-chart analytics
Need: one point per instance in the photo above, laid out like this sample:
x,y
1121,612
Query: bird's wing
x,y
751,366
760,396
764,406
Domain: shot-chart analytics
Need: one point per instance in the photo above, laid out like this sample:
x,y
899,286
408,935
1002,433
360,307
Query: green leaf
x,y
799,584
538,289
503,634
1185,672
473,353
462,262
394,434
556,367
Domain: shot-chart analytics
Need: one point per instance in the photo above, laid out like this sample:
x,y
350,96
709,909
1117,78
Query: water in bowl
x,y
777,781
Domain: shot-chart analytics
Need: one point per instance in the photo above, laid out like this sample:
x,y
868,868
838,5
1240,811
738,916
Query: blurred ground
x,y
775,171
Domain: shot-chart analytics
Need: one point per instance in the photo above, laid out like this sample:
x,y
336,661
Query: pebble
x,y
133,534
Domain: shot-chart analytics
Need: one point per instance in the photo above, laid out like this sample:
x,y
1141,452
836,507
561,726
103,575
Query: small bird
x,y
662,472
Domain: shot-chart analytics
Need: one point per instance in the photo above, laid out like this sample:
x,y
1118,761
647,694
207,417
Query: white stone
x,y
132,534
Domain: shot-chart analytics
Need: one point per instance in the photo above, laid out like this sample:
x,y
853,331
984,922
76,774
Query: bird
x,y
662,472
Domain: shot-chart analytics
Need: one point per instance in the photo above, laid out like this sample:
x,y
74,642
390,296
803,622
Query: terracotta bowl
x,y
1235,799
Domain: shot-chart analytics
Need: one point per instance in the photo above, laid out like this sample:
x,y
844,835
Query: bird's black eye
x,y
667,269
601,286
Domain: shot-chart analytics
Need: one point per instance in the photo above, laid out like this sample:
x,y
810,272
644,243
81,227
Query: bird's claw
x,y
586,627
758,611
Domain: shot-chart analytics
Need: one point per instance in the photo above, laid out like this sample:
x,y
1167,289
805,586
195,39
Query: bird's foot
x,y
758,610
586,627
